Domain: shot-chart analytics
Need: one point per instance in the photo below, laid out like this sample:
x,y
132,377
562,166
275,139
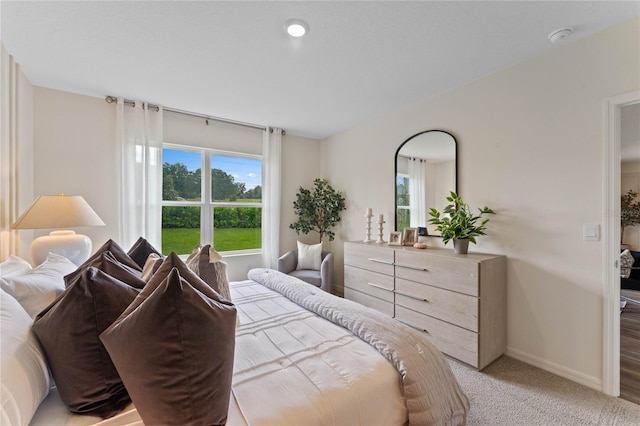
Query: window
x,y
222,206
403,212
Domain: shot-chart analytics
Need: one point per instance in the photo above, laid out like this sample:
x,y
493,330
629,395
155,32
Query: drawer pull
x,y
417,268
379,261
422,299
412,326
378,286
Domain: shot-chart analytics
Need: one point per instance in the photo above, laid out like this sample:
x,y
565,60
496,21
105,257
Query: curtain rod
x,y
113,99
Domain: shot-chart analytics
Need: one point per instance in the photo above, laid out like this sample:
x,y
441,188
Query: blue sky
x,y
247,170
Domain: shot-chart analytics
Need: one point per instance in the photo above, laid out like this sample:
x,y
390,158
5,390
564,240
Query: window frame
x,y
206,204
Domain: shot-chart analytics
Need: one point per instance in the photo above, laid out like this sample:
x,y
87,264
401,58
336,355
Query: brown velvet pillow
x,y
208,265
69,330
140,251
174,347
96,260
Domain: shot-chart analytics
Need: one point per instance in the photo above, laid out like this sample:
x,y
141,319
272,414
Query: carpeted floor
x,y
510,392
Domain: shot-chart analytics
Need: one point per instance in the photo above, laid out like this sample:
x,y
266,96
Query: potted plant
x,y
629,212
318,209
458,223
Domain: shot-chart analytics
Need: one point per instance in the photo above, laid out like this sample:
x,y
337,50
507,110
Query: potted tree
x,y
318,209
629,212
458,223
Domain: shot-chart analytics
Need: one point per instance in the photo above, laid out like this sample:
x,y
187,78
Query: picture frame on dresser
x,y
395,238
409,236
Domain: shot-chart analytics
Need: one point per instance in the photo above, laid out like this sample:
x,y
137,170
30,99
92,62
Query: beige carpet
x,y
510,392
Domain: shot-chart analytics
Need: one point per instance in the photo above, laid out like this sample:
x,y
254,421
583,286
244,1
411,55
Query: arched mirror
x,y
426,171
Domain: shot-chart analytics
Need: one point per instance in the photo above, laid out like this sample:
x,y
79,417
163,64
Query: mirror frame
x,y
395,172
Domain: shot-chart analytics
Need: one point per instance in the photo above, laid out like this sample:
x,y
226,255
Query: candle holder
x,y
368,239
380,232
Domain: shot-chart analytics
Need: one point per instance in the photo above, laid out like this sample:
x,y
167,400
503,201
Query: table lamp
x,y
59,211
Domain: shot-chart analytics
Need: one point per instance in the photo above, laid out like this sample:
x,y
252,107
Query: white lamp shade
x,y
59,211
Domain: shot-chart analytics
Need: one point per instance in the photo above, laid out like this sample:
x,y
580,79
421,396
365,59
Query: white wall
x,y
530,145
75,154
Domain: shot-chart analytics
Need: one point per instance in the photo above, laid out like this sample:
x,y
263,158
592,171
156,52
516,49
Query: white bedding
x,y
291,367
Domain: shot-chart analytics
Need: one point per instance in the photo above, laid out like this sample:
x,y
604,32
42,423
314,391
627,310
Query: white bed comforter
x,y
292,367
433,395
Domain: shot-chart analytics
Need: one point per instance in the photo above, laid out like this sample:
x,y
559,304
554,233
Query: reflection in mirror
x,y
426,171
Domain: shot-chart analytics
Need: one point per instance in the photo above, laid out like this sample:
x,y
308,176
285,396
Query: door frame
x,y
611,240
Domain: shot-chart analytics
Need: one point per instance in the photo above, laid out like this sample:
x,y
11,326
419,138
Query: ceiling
x,y
360,60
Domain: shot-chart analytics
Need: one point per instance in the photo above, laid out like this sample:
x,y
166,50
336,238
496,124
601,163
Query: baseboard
x,y
557,369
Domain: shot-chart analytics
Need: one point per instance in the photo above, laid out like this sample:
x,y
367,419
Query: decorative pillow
x,y
309,256
150,267
24,374
626,262
39,287
118,254
207,264
140,251
68,330
185,374
14,265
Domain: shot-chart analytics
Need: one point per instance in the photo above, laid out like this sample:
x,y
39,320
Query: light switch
x,y
591,232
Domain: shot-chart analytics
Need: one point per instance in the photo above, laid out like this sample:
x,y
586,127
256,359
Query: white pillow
x,y
309,256
39,287
23,370
14,265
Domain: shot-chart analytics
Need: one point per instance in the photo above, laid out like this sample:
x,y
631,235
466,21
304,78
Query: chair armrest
x,y
326,272
287,262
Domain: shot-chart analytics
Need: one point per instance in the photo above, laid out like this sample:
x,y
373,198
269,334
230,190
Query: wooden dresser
x,y
459,301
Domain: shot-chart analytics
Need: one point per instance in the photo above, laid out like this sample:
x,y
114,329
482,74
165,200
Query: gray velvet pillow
x,y
174,347
208,265
69,330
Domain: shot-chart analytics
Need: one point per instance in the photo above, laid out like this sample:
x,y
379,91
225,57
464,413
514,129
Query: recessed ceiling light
x,y
296,27
560,34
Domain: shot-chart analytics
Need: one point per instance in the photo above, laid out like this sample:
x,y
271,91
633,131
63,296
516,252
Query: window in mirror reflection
x,y
403,213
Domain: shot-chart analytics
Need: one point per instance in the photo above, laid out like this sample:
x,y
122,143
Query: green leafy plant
x,y
457,221
629,211
318,209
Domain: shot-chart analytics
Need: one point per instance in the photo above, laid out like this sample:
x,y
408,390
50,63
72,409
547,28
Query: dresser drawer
x,y
379,305
454,341
372,283
370,257
440,271
455,308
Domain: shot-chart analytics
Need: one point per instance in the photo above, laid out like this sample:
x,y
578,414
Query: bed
x,y
303,356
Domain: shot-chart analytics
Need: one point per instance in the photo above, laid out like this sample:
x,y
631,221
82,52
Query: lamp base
x,y
75,247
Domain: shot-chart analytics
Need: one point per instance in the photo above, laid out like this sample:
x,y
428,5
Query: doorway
x,y
611,242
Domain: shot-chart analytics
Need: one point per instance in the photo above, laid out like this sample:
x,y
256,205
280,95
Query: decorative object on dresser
x,y
410,236
59,211
368,216
459,302
395,238
380,222
461,225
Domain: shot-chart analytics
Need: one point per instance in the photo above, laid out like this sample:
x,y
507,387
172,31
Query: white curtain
x,y
16,155
271,154
139,133
418,192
